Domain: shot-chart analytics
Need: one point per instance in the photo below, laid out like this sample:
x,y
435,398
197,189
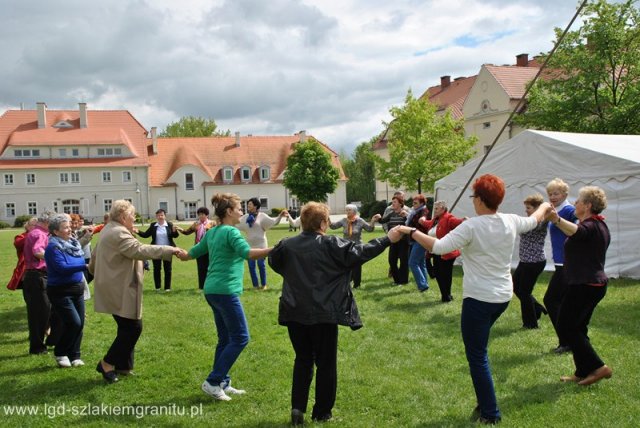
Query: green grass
x,y
405,368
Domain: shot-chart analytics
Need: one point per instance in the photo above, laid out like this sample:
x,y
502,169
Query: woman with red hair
x,y
486,243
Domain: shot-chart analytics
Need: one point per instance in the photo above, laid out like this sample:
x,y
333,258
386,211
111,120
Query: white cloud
x,y
332,67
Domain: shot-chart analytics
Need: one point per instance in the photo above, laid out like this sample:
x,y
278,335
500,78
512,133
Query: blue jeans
x,y
263,272
475,323
70,310
418,265
233,335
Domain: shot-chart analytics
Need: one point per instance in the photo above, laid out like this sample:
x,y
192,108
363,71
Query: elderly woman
x,y
118,276
584,256
256,224
487,242
398,251
440,225
227,250
532,263
200,228
352,226
65,288
417,253
316,297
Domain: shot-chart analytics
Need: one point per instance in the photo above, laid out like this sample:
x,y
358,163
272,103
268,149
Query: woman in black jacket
x,y
316,297
161,232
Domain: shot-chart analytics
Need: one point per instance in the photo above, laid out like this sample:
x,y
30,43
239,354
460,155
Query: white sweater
x,y
486,243
256,235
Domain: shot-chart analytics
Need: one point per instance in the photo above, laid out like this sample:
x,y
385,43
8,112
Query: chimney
x,y
522,60
237,138
83,115
154,140
445,81
42,115
303,136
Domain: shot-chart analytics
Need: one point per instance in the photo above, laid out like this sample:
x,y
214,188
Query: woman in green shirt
x,y
227,250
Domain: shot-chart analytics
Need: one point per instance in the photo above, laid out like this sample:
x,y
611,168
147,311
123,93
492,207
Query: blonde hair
x,y
534,200
312,215
558,184
119,208
222,201
595,196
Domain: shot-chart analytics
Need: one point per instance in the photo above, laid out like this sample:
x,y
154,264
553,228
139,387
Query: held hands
x,y
395,234
376,218
181,254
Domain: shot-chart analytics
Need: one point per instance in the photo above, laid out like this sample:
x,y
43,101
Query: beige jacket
x,y
118,272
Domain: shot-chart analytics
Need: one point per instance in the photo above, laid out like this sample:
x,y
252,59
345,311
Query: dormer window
x,y
245,173
265,173
227,174
110,152
26,153
63,124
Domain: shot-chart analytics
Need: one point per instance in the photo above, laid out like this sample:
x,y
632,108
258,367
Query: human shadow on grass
x,y
67,387
13,320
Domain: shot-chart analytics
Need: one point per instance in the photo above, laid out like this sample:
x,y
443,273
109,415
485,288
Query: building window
x,y
71,206
55,206
190,209
107,204
9,209
163,205
62,153
32,208
188,182
106,176
265,173
227,174
75,178
109,152
8,179
264,203
245,173
486,125
30,179
126,176
129,200
486,148
26,153
75,153
64,178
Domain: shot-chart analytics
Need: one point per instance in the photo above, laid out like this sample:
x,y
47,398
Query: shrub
x,y
368,209
276,211
21,220
4,225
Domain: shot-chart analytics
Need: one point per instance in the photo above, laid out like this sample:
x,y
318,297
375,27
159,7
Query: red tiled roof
x,y
513,79
451,96
112,127
212,154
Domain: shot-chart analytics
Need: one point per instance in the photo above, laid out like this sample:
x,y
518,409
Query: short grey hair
x,y
46,215
119,208
351,207
442,204
56,221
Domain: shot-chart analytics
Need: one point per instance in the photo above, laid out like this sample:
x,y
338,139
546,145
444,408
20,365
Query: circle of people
x,y
55,264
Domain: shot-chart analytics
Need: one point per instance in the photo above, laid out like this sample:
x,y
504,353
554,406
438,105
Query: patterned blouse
x,y
532,244
352,230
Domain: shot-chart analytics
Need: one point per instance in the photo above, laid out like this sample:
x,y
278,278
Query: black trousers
x,y
121,352
573,325
524,279
314,344
203,266
35,296
399,252
556,291
443,271
158,265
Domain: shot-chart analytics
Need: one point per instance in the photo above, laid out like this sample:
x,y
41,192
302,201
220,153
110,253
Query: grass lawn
x,y
405,368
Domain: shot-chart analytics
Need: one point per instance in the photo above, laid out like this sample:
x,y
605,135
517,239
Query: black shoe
x,y
322,418
561,349
447,299
110,376
297,417
42,351
489,421
540,310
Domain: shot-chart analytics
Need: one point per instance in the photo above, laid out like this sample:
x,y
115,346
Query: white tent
x,y
529,160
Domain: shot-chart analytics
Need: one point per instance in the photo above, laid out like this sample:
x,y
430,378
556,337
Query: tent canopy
x,y
531,159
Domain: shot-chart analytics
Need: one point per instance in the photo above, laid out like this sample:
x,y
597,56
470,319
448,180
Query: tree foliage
x,y
593,82
310,175
424,145
191,126
361,172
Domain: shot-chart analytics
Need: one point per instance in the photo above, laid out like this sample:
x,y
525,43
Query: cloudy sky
x,y
261,67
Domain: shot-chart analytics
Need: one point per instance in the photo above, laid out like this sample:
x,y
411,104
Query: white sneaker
x,y
231,390
77,363
215,391
63,362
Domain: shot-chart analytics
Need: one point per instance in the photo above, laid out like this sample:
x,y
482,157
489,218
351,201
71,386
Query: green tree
x,y
361,173
424,145
593,82
310,175
191,126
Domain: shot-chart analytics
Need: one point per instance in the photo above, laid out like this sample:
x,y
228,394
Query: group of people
x,y
317,269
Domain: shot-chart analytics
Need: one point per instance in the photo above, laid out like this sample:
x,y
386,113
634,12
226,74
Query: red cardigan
x,y
445,224
16,278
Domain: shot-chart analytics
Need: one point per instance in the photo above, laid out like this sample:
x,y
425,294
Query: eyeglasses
x,y
473,196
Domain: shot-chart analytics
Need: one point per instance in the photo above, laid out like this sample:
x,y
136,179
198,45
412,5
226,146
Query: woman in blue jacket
x,y
65,288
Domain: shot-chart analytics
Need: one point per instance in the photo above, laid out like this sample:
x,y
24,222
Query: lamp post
x,y
140,205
